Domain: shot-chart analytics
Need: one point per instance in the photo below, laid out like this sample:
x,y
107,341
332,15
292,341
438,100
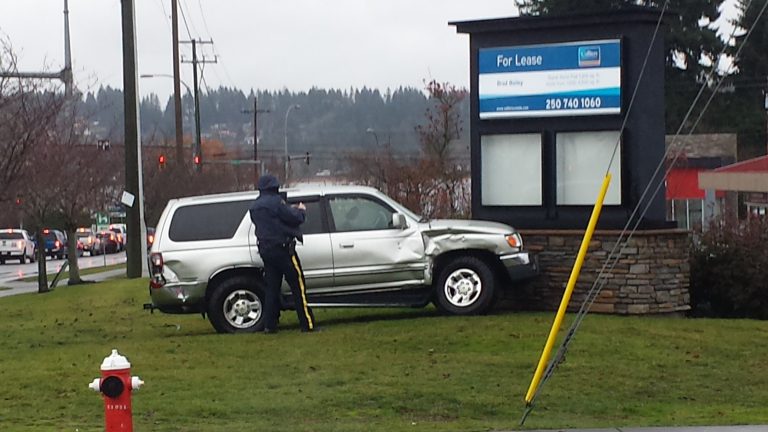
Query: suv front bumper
x,y
520,265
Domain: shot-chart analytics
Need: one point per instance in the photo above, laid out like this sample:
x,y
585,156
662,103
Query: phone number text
x,y
573,103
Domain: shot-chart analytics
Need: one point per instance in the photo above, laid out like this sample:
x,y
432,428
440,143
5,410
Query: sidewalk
x,y
756,428
19,287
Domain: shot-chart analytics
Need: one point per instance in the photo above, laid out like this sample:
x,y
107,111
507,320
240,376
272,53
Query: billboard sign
x,y
564,79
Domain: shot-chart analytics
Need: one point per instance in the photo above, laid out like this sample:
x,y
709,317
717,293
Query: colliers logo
x,y
589,56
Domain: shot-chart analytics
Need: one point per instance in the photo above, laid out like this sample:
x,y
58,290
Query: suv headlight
x,y
514,240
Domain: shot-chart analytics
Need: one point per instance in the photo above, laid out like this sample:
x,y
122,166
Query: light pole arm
x,y
285,139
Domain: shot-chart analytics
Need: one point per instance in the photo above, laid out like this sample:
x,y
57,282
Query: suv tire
x,y
466,286
237,306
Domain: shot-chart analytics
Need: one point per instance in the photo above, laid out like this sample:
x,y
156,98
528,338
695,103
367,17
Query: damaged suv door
x,y
371,254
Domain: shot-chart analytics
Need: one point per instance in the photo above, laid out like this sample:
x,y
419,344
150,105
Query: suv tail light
x,y
57,244
156,279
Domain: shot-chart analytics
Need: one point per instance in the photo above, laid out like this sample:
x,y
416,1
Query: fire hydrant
x,y
116,384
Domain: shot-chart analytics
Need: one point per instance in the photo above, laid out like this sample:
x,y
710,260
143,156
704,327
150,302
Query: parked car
x,y
150,237
107,242
120,233
16,244
361,248
55,243
87,241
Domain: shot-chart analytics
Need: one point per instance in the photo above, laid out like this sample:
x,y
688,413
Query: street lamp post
x,y
376,137
179,143
285,136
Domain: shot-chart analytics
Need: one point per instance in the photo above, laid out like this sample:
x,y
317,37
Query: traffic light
x,y
198,162
307,158
161,161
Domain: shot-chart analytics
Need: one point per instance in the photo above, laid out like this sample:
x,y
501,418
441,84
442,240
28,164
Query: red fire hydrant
x,y
116,384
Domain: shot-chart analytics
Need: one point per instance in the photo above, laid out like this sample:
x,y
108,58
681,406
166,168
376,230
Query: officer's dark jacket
x,y
276,222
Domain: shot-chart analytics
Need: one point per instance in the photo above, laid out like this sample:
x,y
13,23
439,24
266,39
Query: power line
x,y
165,13
184,18
205,23
192,22
600,280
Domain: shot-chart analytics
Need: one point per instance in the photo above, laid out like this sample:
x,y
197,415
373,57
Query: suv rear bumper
x,y
521,265
179,297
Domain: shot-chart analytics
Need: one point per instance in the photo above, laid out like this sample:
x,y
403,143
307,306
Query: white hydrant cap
x,y
95,385
136,382
114,362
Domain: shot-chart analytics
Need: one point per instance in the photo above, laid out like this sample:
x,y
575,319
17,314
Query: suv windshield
x,y
11,236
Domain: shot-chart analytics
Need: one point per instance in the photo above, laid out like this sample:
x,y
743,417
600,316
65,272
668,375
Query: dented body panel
x,y
366,249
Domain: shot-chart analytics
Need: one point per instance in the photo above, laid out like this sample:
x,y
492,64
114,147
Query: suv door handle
x,y
347,245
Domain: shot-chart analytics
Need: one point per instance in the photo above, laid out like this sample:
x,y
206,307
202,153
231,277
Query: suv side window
x,y
313,222
357,213
213,221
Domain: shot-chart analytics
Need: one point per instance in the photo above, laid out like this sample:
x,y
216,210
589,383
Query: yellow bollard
x,y
568,291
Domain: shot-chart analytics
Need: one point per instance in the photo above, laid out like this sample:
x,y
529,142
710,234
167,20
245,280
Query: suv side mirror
x,y
398,221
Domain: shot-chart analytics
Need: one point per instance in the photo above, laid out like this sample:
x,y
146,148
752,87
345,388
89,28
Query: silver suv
x,y
361,248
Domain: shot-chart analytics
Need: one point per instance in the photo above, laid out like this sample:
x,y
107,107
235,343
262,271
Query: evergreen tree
x,y
692,43
751,80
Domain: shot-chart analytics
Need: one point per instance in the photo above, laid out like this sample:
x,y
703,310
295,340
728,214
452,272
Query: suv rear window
x,y
215,221
11,236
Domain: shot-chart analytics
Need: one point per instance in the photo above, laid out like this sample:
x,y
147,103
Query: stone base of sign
x,y
651,275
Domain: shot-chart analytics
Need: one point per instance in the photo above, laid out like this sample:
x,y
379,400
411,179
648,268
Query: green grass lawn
x,y
370,369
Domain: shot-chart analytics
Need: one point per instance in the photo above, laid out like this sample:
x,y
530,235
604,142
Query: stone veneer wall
x,y
652,274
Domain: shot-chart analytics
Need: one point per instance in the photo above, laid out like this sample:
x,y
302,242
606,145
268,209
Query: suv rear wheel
x,y
237,306
466,286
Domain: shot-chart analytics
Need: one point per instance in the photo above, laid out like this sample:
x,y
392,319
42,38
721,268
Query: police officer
x,y
277,229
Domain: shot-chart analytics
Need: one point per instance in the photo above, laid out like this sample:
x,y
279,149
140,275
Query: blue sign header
x,y
550,57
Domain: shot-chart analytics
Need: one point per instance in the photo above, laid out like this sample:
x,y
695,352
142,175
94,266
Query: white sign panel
x,y
575,78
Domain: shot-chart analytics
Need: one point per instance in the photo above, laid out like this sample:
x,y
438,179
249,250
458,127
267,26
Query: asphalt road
x,y
13,272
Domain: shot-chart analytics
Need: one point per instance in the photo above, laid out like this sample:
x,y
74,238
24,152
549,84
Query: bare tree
x,y
91,176
443,121
26,108
40,195
434,184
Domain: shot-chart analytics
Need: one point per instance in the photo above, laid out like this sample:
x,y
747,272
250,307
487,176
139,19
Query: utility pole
x,y
133,197
197,152
65,75
177,84
256,111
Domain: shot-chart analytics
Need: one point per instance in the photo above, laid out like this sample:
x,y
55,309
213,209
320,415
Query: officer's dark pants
x,y
279,262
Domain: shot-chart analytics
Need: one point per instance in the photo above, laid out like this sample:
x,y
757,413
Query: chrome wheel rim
x,y
463,287
242,309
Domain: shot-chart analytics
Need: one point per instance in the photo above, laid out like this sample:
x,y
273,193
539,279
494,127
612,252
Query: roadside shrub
x,y
729,270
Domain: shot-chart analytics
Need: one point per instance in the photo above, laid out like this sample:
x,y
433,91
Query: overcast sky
x,y
293,44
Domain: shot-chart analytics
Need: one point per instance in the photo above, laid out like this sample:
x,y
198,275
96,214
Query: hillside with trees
x,y
327,122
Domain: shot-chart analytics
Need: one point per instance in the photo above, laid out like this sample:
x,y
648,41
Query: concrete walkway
x,y
20,287
756,428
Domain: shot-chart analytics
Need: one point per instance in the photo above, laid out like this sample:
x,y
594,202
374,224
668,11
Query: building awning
x,y
746,176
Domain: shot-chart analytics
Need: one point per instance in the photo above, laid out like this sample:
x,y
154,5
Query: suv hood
x,y
443,235
457,226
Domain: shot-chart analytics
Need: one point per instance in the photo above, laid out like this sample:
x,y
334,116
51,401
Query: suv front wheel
x,y
466,286
237,306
